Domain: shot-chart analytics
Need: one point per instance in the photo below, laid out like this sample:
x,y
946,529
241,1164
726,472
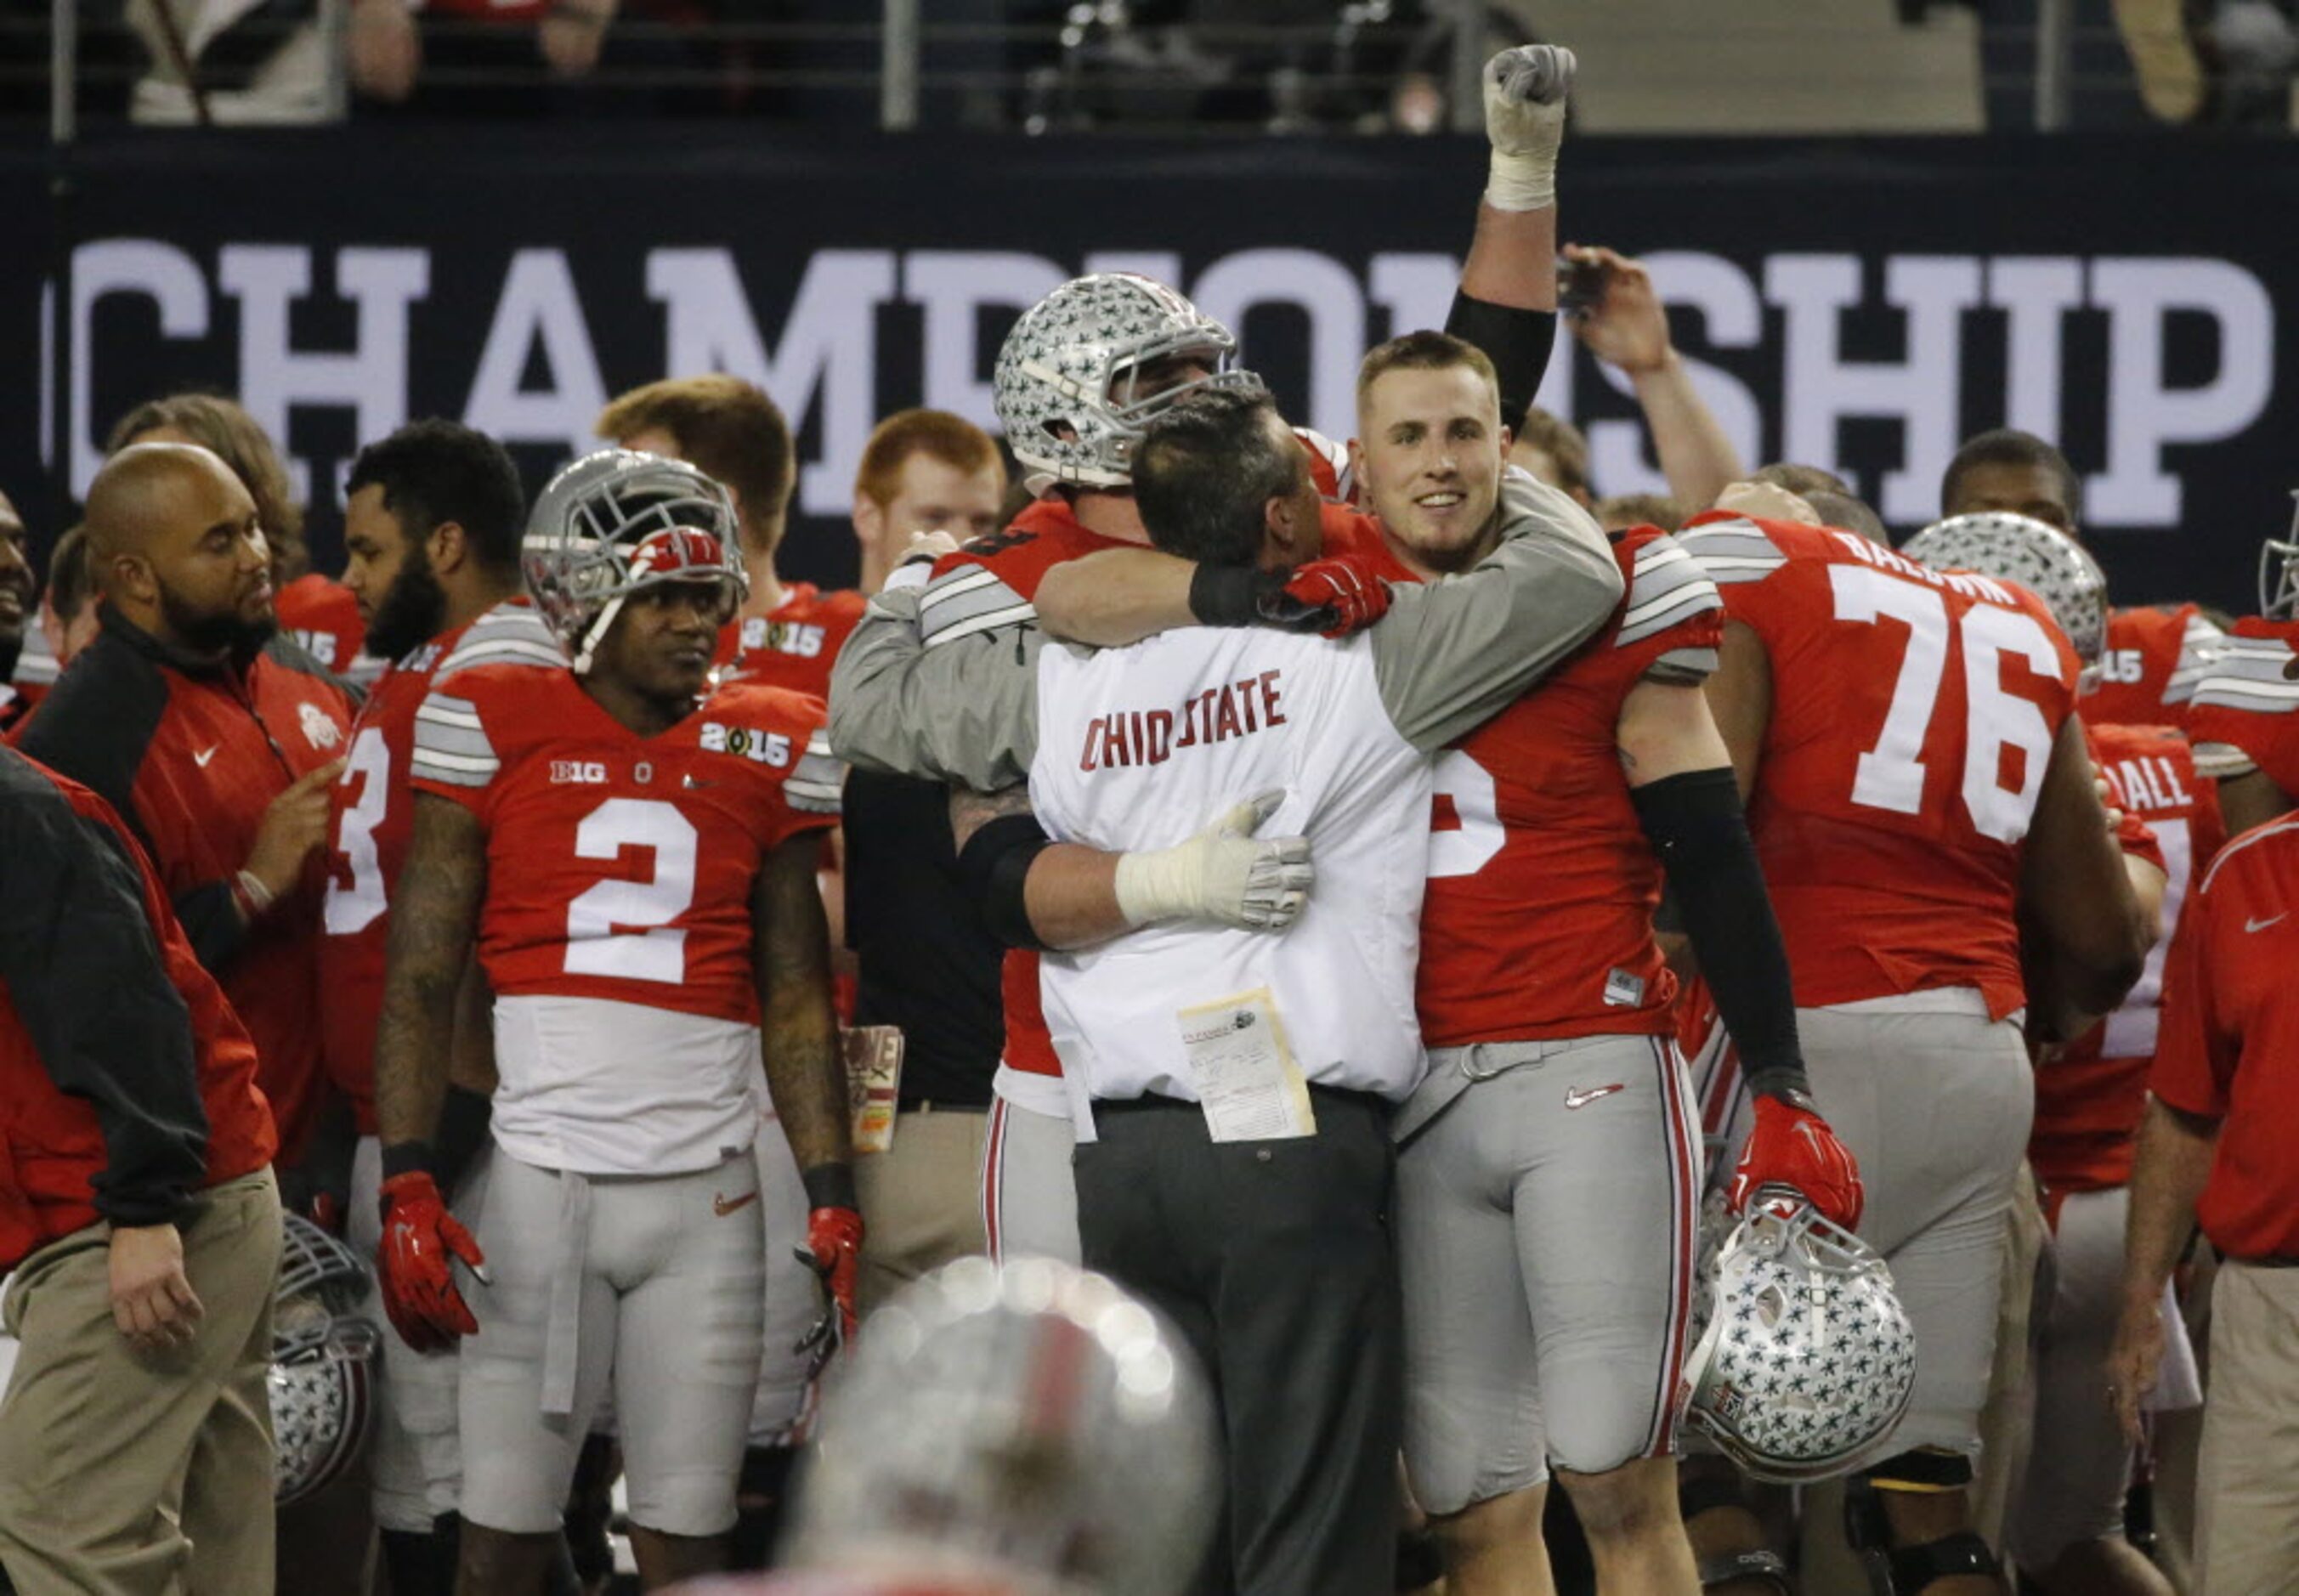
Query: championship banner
x,y
1856,304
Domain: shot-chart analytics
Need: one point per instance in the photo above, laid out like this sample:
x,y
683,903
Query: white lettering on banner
x,y
2036,296
143,266
539,305
1732,317
829,347
2143,414
1820,389
822,364
370,378
1327,293
953,286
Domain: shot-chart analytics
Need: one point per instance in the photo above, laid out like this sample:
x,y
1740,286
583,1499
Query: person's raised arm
x,y
1506,305
434,923
1627,327
1451,653
2089,934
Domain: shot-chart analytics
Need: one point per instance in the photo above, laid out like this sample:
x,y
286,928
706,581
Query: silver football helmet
x,y
322,1383
1026,1422
2279,572
617,522
1807,1358
2040,558
1069,381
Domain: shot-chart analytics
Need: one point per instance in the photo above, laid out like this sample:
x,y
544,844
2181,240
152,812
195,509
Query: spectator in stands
x,y
139,1216
213,737
230,61
514,58
924,470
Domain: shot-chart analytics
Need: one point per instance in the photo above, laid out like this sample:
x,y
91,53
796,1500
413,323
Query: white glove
x,y
1525,91
1223,874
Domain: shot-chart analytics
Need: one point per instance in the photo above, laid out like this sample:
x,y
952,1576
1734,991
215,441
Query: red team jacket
x,y
371,818
192,755
1914,715
2229,1047
189,1133
2089,1099
622,865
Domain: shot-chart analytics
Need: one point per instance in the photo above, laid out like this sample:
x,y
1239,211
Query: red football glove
x,y
1792,1147
1331,597
413,1264
834,1236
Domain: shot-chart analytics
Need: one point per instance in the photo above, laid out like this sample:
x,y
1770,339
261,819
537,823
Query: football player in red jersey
x,y
432,522
1922,795
2153,655
636,864
2249,698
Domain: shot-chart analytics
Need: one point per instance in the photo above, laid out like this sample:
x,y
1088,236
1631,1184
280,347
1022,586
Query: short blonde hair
x,y
1425,351
729,430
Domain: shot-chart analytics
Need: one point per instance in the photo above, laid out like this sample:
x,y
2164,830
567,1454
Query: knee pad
x,y
1909,1570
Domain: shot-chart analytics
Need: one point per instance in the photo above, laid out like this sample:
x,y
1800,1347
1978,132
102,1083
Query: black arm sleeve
x,y
82,964
995,865
1698,829
209,916
1517,341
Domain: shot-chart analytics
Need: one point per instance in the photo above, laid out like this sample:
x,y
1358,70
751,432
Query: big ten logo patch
x,y
586,772
765,747
782,638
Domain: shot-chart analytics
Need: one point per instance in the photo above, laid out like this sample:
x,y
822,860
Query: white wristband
x,y
1522,182
1158,886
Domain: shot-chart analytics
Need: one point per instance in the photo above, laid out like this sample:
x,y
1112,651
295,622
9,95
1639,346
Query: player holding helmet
x,y
637,869
1923,796
2250,697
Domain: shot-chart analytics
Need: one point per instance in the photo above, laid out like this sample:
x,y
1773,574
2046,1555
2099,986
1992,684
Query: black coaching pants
x,y
1274,1259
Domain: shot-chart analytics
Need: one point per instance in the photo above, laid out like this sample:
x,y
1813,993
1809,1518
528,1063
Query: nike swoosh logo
x,y
2251,925
201,758
1581,1097
721,1207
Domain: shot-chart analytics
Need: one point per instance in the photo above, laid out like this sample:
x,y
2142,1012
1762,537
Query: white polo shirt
x,y
1138,748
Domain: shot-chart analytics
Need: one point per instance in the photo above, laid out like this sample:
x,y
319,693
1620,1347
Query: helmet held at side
x,y
1807,1358
616,523
2039,557
321,1384
1075,382
2279,572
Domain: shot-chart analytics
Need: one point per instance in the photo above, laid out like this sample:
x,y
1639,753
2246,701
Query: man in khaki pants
x,y
2214,1151
138,1214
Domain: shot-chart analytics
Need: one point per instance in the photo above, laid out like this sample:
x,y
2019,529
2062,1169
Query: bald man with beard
x,y
214,738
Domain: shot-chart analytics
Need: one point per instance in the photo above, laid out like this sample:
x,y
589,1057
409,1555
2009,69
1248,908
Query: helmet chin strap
x,y
596,634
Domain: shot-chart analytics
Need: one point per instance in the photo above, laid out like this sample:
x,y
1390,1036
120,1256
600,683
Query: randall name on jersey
x,y
2150,785
1126,738
1967,583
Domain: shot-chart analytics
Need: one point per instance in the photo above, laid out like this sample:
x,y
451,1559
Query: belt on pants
x,y
1477,1062
563,1327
